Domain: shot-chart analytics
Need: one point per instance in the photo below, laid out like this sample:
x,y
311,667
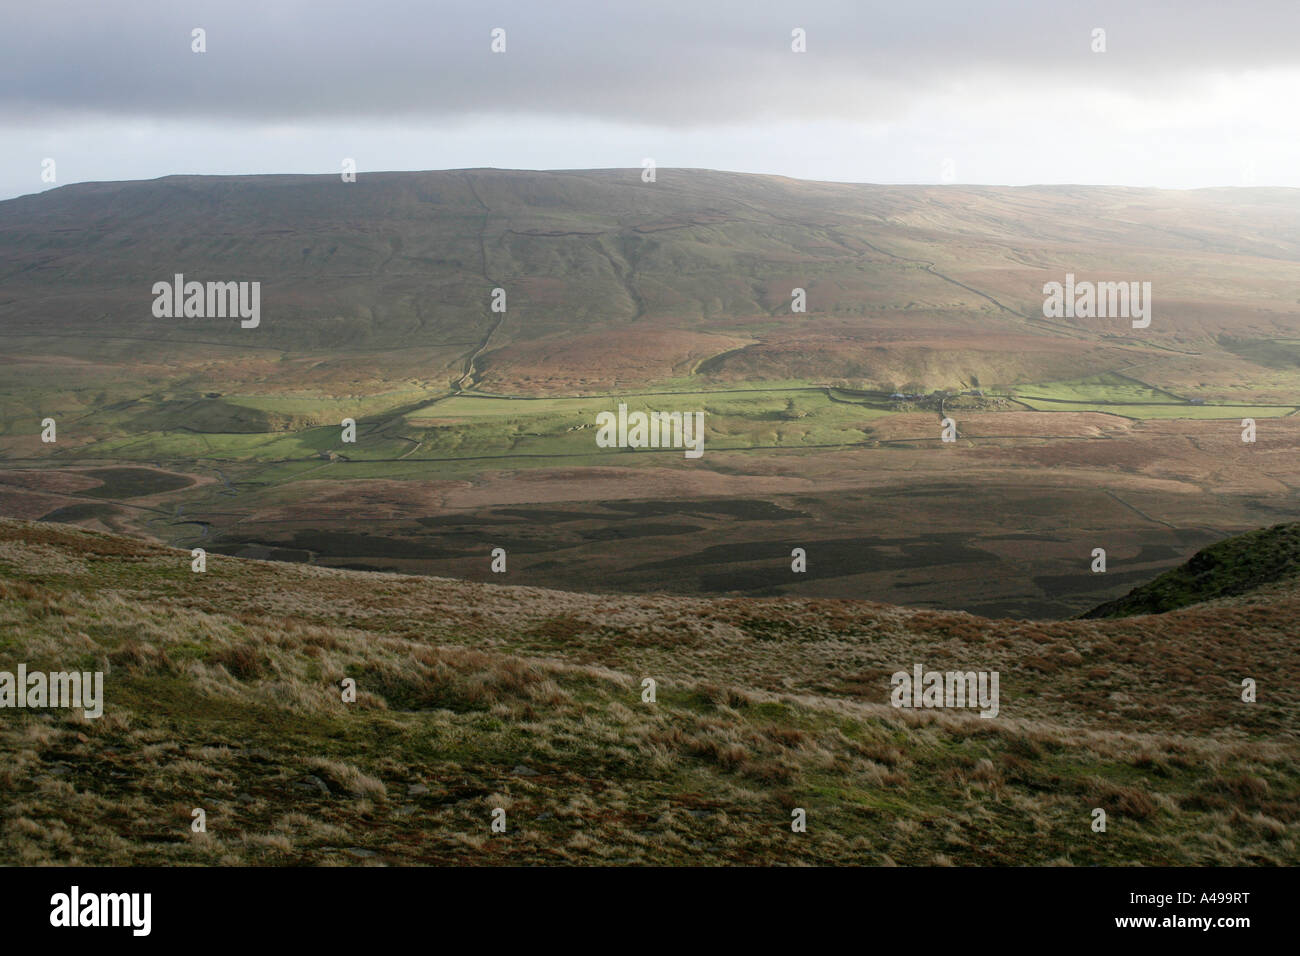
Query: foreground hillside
x,y
222,693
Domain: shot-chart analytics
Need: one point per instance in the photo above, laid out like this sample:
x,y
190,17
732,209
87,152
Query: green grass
x,y
555,426
329,406
1107,387
1226,569
1166,411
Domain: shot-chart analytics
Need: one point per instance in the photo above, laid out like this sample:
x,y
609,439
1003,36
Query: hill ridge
x,y
1234,567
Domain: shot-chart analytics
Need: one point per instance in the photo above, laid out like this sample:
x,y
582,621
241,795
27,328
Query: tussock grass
x,y
224,693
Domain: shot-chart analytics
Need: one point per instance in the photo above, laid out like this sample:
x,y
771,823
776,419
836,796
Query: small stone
x,y
312,782
522,771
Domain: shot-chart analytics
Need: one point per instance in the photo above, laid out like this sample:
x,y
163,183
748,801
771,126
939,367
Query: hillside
x,y
222,693
474,427
614,283
1228,569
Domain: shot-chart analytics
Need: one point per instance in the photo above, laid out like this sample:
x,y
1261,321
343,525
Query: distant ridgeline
x,y
1227,569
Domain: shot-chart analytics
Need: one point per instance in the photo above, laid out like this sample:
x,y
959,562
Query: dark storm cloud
x,y
668,62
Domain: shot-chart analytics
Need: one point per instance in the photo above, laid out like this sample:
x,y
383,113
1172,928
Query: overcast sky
x,y
1188,93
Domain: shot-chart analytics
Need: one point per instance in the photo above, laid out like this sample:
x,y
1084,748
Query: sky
x,y
1185,94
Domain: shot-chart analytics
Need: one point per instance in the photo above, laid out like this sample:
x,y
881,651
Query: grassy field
x,y
450,427
397,425
1109,387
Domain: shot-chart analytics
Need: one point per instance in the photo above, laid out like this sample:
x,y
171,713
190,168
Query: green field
x,y
748,419
1107,387
1164,411
393,427
460,426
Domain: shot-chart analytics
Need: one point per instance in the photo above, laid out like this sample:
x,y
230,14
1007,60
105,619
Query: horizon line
x,y
637,170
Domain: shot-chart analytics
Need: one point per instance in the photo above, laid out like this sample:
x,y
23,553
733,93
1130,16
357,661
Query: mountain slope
x,y
690,275
222,693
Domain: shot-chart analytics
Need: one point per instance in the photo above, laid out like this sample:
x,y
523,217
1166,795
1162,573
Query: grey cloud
x,y
671,62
